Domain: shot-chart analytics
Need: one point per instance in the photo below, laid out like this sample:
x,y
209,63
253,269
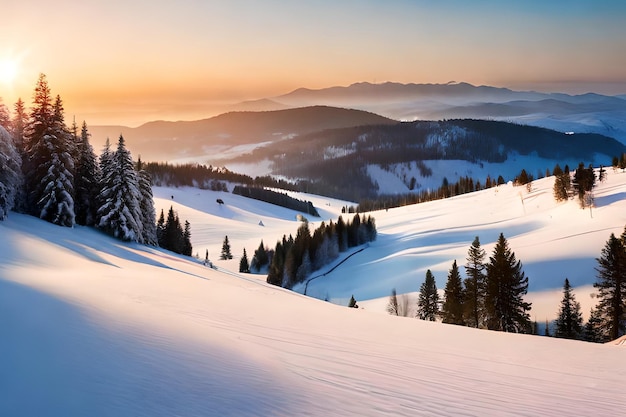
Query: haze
x,y
121,62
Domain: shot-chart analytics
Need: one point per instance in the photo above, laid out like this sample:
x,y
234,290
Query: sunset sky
x,y
131,61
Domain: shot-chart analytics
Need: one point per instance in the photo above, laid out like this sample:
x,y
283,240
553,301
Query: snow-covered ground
x,y
93,326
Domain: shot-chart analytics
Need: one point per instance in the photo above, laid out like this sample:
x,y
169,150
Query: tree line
x,y
294,259
50,171
491,296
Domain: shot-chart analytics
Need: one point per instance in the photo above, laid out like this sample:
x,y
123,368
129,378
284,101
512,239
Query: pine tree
x,y
5,117
611,286
243,263
392,306
86,181
352,303
160,230
187,249
428,301
594,330
173,234
226,250
475,285
584,181
453,305
49,171
569,321
18,126
10,173
546,330
120,214
505,286
146,206
562,184
260,258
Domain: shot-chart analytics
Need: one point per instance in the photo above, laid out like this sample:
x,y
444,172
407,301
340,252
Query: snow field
x,y
94,326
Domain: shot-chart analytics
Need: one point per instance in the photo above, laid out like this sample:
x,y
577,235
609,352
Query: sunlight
x,y
8,71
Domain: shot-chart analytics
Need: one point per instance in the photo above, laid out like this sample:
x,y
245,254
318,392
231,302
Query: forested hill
x,y
338,158
162,141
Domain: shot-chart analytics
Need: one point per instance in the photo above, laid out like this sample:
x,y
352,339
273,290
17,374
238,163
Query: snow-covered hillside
x,y
93,326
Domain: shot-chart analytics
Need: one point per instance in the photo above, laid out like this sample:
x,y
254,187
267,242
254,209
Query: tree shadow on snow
x,y
55,361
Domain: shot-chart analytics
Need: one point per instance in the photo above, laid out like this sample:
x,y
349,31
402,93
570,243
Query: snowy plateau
x,y
91,326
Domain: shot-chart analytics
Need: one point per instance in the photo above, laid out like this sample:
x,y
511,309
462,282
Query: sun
x,y
8,71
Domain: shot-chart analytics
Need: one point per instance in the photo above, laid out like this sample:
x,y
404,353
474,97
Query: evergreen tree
x,y
475,285
506,285
392,306
569,321
243,263
452,309
120,215
593,330
584,181
160,229
611,287
18,126
562,184
10,173
352,303
546,330
146,206
226,250
187,247
535,328
277,264
260,258
49,168
428,301
173,234
86,181
5,117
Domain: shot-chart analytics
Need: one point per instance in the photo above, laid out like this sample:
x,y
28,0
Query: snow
x,y
94,326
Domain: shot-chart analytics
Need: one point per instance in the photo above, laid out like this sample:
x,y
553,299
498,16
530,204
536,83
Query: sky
x,y
129,61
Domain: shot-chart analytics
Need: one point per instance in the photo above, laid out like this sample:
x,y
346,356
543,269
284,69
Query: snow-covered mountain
x,y
94,326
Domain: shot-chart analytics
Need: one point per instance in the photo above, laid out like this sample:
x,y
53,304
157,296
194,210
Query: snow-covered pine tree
x,y
453,305
475,285
569,322
428,301
506,284
611,287
87,181
10,173
5,117
120,214
18,125
146,204
49,172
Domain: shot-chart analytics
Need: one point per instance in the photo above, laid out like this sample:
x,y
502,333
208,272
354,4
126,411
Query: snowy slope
x,y
94,326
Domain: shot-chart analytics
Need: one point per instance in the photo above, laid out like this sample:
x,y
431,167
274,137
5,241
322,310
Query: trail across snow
x,y
93,326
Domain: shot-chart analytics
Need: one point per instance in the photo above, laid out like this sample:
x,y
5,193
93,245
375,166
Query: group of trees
x,y
294,259
279,199
62,181
490,297
172,235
